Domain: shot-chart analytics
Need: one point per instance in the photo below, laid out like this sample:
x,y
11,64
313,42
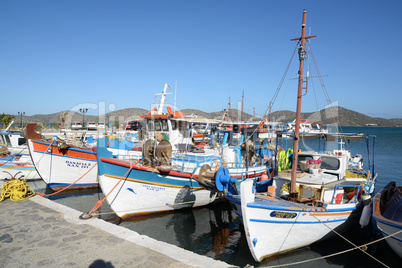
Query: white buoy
x,y
366,215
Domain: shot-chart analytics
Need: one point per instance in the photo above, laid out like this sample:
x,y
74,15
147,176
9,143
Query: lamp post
x,y
21,114
83,111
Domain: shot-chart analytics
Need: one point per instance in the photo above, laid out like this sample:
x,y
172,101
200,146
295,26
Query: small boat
x,y
312,195
18,166
62,162
14,141
307,128
387,214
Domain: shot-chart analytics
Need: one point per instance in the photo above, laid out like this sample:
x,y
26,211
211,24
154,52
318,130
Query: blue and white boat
x,y
387,214
318,196
18,166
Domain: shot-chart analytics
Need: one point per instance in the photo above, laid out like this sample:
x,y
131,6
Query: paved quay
x,y
39,232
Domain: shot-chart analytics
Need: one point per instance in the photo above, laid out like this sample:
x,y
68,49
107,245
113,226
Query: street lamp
x,y
83,111
21,114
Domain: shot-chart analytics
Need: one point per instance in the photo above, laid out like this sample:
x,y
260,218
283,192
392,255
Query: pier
x,y
39,232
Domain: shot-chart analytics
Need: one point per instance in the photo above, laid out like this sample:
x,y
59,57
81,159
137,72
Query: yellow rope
x,y
16,190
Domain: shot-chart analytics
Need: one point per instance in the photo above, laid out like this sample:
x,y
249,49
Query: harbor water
x,y
217,232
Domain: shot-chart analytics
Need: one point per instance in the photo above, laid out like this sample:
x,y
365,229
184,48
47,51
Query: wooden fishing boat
x,y
59,164
63,162
18,166
387,214
319,194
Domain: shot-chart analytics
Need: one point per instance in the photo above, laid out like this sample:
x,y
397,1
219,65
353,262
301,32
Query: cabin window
x,y
329,163
182,125
158,125
150,126
174,124
165,125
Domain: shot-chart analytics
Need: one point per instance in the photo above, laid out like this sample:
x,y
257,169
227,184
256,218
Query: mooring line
x,y
338,253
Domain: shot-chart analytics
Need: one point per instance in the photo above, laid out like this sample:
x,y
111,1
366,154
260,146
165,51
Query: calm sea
x,y
217,232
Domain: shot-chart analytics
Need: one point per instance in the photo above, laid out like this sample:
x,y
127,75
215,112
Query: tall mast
x,y
302,55
163,98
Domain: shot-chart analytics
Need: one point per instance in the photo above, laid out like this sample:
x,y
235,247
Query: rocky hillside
x,y
337,115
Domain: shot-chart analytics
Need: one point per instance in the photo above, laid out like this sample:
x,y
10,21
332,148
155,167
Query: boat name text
x,y
283,215
77,164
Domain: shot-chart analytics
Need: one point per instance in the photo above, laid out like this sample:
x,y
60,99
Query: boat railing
x,y
336,200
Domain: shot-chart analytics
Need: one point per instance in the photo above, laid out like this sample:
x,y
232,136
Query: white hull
x,y
18,167
59,170
395,242
135,198
279,226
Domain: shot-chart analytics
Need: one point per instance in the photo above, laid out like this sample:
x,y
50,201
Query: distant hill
x,y
339,115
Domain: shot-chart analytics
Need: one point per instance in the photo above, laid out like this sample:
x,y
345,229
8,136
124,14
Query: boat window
x,y
8,141
150,126
158,125
174,124
218,137
329,163
165,125
236,138
182,125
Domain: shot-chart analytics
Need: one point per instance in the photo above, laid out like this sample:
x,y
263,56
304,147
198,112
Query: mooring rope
x,y
339,253
100,202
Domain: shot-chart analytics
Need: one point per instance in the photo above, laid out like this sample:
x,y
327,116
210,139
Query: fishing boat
x,y
14,141
61,163
306,128
17,166
173,173
387,214
70,160
312,196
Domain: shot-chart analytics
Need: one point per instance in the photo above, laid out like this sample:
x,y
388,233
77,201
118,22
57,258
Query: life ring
x,y
169,110
261,124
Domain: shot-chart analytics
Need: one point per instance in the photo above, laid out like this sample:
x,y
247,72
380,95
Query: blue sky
x,y
65,55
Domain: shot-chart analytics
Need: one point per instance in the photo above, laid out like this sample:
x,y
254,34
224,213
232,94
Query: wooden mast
x,y
302,55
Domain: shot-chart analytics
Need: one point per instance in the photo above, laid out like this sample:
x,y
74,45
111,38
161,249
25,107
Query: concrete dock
x,y
39,232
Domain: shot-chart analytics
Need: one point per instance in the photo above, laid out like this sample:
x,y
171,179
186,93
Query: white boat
x,y
306,128
14,142
17,166
387,215
303,205
70,161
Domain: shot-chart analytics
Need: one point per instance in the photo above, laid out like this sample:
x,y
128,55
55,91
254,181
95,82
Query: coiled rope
x,y
16,190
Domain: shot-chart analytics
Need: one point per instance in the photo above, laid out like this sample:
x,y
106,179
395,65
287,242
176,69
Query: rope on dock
x,y
16,190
